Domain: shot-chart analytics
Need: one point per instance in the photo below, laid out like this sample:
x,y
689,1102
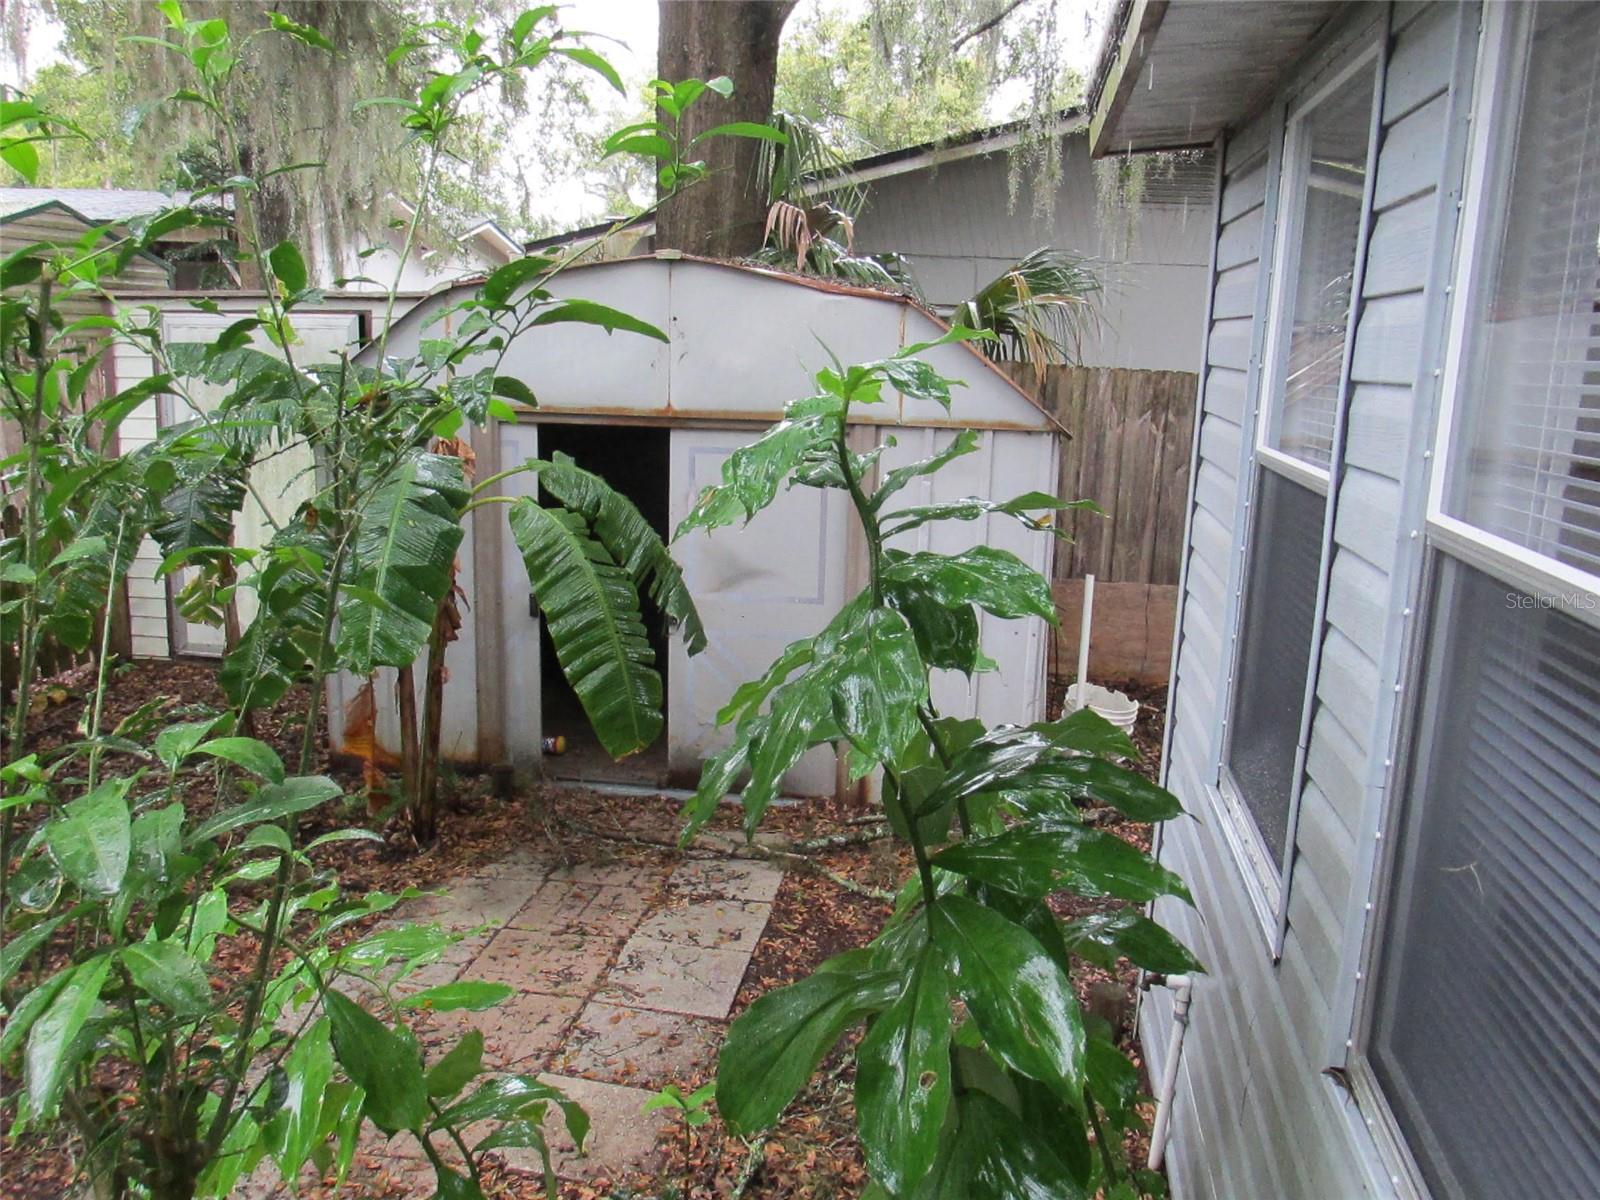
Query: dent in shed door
x,y
758,588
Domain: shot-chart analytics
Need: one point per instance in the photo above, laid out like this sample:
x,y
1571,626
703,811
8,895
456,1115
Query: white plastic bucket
x,y
1116,707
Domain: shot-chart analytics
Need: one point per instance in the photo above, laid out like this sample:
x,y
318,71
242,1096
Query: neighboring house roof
x,y
1175,73
97,206
989,140
54,221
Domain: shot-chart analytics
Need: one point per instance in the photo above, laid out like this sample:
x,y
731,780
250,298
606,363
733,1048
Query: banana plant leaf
x,y
592,612
627,536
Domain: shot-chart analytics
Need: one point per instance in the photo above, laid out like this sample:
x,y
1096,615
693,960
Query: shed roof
x,y
1182,71
742,341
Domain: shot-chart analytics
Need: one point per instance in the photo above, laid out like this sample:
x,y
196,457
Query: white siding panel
x,y
1240,241
1413,151
1242,192
1322,838
1347,681
1399,249
1368,507
1389,340
1356,594
1336,763
1230,344
1378,429
1219,444
1236,292
1414,78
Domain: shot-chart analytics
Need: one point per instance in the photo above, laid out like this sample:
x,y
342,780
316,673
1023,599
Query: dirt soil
x,y
829,903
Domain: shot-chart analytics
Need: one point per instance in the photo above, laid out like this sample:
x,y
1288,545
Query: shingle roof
x,y
93,204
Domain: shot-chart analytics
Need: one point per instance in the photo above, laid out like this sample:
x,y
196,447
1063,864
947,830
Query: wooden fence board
x,y
1128,452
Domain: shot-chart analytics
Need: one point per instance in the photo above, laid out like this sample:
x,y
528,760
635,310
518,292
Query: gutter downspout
x,y
1182,988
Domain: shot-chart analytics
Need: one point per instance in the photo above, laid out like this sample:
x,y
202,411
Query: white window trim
x,y
1446,537
1267,881
1509,562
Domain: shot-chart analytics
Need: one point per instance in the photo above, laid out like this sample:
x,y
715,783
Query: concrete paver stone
x,y
694,980
730,880
637,1046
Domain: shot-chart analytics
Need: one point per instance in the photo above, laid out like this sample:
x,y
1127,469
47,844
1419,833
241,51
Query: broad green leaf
x,y
472,994
254,756
1020,999
293,795
1104,937
622,529
1050,791
504,281
510,1097
1087,732
176,742
34,1004
752,474
880,684
304,33
596,63
744,129
197,513
717,777
450,1184
91,841
903,1083
22,157
1032,861
168,975
592,613
458,1068
19,945
308,1069
972,507
996,1155
288,266
748,697
404,553
997,581
947,637
587,312
53,1039
964,442
384,1065
776,1044
1113,1082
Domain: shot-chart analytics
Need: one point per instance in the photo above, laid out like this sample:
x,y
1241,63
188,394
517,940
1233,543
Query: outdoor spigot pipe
x,y
1182,992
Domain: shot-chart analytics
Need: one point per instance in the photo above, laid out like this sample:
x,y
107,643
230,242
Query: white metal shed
x,y
657,420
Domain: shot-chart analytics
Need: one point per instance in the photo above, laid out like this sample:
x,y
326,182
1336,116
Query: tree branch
x,y
979,30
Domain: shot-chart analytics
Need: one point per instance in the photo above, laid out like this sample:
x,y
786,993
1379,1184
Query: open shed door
x,y
758,588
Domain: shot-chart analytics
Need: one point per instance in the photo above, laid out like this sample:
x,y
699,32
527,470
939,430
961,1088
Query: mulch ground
x,y
812,1154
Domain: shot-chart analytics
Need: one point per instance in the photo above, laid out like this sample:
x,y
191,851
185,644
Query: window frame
x,y
1497,97
1268,877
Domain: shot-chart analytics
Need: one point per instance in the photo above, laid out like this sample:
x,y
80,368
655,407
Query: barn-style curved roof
x,y
744,340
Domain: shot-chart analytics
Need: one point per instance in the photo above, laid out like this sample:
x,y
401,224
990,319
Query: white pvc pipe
x,y
1182,990
1083,642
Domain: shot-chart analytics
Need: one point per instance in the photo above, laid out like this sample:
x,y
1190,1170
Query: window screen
x,y
1275,651
1331,144
1487,1032
1530,466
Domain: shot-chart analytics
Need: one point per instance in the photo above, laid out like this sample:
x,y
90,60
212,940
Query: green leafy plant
x,y
661,140
1015,1092
1038,309
179,1076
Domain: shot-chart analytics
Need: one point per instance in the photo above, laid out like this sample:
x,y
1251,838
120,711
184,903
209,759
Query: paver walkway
x,y
624,972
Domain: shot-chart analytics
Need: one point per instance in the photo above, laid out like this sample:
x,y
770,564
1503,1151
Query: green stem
x,y
95,749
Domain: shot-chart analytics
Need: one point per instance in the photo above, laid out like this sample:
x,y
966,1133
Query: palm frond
x,y
1038,309
805,169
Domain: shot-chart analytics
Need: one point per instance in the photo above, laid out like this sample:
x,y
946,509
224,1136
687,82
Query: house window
x,y
1484,1033
1323,185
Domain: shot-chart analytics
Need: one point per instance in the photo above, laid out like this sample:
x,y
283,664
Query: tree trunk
x,y
721,216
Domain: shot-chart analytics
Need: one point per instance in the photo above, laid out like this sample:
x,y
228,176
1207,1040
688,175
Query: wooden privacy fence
x,y
1131,434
